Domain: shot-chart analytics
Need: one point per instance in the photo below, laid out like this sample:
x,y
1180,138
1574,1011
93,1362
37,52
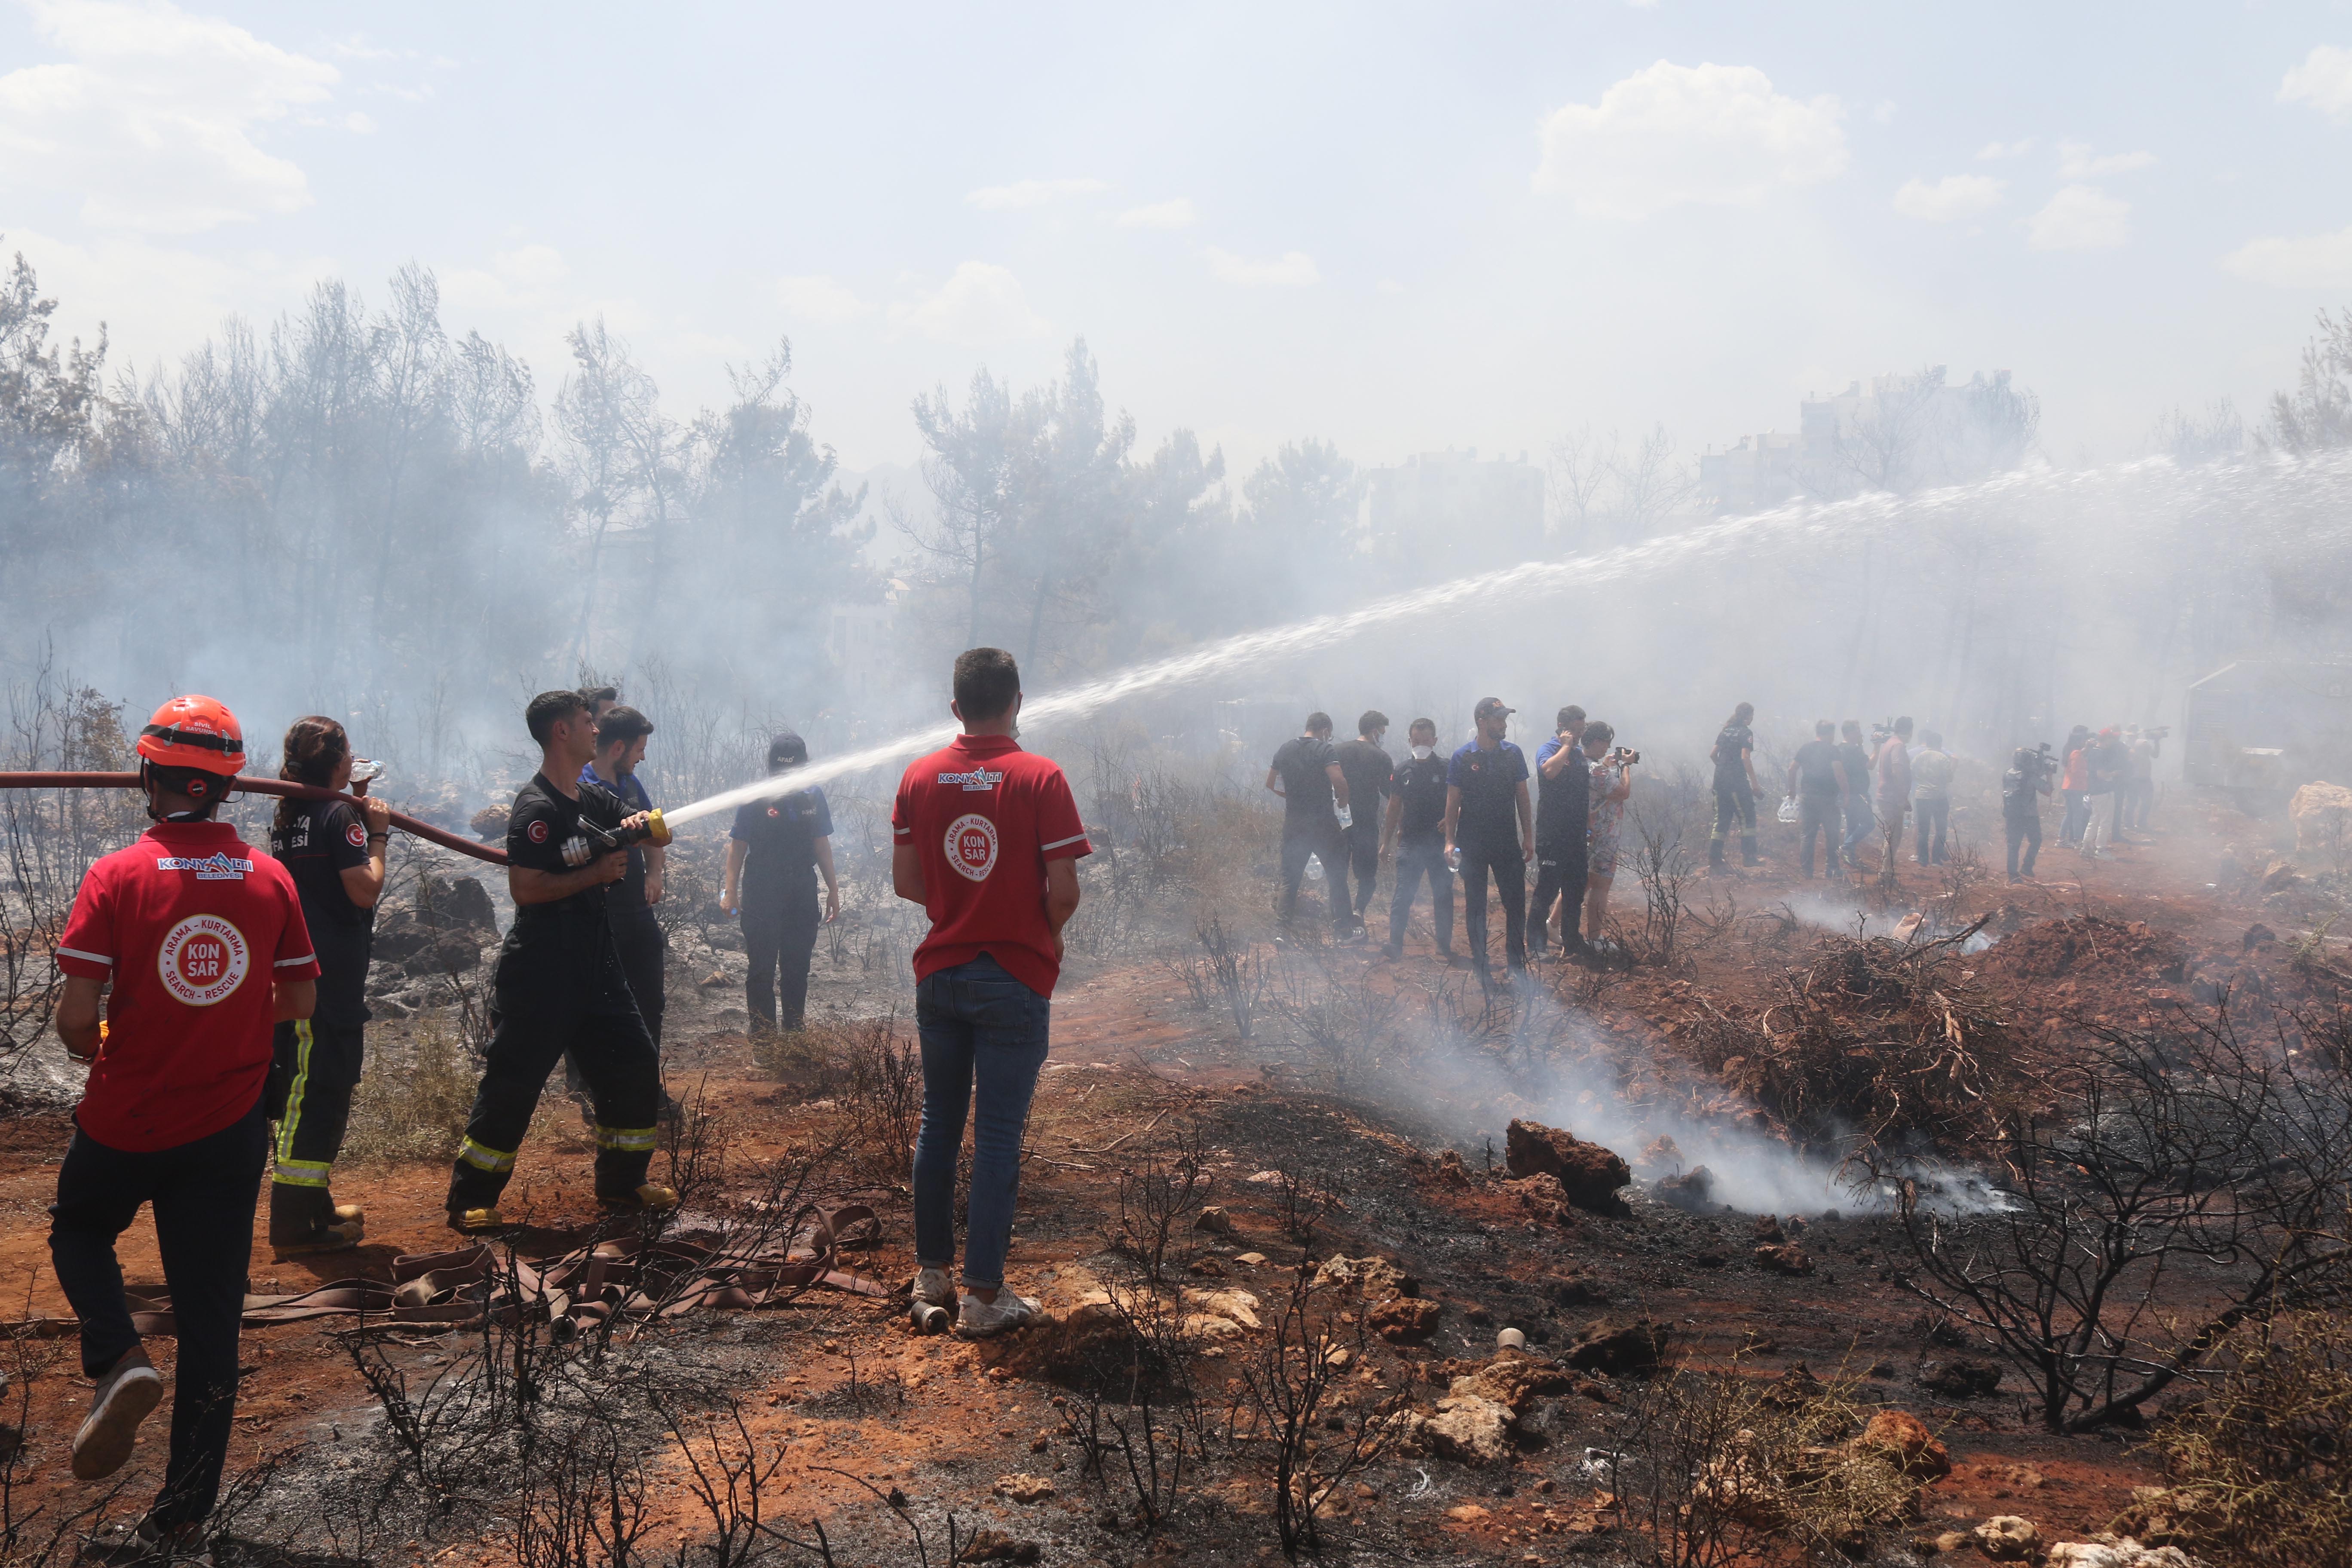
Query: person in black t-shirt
x,y
1562,807
622,734
1365,767
1415,829
1735,788
1817,778
335,853
774,853
560,986
1485,800
1306,773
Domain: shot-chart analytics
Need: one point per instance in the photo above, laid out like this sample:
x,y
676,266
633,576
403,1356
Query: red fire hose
x,y
406,823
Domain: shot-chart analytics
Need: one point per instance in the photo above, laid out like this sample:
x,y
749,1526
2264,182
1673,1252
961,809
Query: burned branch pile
x,y
1889,1040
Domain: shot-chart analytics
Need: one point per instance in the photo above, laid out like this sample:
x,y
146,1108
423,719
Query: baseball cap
x,y
787,747
1489,706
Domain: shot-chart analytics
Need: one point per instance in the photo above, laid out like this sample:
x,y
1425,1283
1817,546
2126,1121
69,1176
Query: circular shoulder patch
x,y
972,845
356,836
203,958
537,831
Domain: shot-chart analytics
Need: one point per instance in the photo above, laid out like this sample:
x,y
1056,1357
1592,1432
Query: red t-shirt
x,y
985,816
192,926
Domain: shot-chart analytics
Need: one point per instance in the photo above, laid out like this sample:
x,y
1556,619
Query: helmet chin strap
x,y
149,787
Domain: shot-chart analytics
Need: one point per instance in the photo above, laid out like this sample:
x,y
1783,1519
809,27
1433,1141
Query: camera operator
x,y
2023,789
1613,782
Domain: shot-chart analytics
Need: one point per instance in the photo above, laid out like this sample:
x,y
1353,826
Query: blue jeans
x,y
1860,822
978,1024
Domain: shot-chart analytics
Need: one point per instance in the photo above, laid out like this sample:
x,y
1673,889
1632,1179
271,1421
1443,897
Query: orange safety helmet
x,y
197,733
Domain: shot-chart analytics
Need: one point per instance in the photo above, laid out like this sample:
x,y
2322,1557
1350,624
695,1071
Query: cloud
x,y
149,117
1717,135
2076,162
523,278
2006,149
2080,218
1031,194
2317,261
819,299
981,305
2322,80
1293,269
1953,198
1176,214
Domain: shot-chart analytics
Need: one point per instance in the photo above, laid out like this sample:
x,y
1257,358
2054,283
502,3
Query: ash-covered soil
x,y
1314,1154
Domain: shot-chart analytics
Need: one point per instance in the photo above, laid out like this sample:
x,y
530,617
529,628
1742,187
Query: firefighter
x,y
335,854
204,945
621,735
559,984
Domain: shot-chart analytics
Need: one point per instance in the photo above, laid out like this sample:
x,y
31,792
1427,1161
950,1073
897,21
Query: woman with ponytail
x,y
336,853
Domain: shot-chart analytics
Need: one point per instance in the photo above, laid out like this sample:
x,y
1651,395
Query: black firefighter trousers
x,y
314,1070
543,1010
204,1195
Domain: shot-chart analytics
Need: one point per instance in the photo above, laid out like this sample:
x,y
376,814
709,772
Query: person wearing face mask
x,y
777,850
1416,831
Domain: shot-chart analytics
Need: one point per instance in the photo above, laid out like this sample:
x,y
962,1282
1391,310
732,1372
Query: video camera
x,y
1625,755
2040,764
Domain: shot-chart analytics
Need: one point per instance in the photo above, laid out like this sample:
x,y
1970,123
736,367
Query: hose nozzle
x,y
657,830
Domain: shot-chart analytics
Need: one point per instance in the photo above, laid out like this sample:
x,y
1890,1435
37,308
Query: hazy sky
x,y
1398,227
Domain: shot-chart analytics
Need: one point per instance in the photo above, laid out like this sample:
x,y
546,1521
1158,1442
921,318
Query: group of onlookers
x,y
1471,814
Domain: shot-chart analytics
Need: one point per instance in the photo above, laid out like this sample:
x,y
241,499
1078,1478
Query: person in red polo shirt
x,y
987,839
204,942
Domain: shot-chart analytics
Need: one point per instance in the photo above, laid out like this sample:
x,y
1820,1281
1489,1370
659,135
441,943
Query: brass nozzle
x,y
657,830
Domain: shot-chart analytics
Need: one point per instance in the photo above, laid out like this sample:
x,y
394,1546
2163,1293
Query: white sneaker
x,y
125,1397
933,1286
976,1318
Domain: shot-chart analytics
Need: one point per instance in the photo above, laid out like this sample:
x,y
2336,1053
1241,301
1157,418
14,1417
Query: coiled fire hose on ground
x,y
406,823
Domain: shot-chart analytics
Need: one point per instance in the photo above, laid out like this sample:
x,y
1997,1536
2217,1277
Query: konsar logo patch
x,y
216,867
204,958
977,779
972,845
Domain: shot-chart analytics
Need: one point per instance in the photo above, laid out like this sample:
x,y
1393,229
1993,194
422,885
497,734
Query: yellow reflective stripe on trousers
x,y
629,1139
482,1157
301,1172
294,1093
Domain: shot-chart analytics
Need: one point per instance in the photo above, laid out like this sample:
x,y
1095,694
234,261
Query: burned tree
x,y
2200,1152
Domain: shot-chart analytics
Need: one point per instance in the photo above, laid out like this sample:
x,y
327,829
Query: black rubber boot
x,y
1715,854
1748,856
